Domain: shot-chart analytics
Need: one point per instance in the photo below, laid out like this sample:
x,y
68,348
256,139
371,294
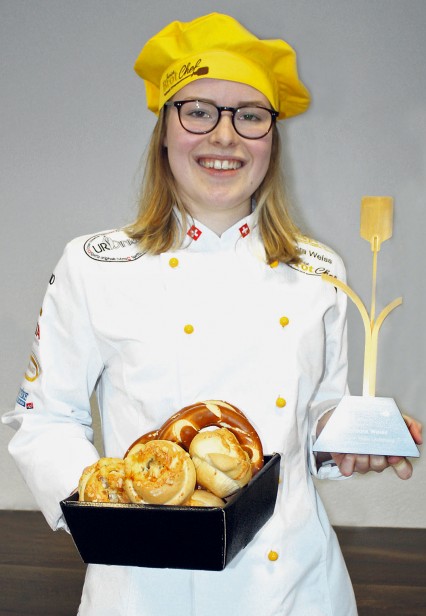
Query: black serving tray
x,y
173,536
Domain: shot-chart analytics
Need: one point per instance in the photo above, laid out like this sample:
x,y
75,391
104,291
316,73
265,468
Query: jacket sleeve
x,y
52,418
333,385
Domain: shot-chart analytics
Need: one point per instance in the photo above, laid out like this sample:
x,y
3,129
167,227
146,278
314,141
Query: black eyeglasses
x,y
200,118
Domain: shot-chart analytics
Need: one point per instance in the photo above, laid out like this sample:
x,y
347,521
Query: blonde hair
x,y
157,228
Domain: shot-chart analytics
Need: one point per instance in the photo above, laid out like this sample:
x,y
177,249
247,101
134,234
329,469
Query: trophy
x,y
368,424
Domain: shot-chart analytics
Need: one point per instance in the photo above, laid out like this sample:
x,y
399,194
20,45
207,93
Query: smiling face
x,y
217,173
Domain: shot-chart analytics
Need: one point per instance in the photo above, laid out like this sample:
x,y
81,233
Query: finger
x,y
401,466
345,462
415,428
362,464
378,463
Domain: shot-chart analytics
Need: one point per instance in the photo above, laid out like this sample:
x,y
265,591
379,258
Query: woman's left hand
x,y
349,463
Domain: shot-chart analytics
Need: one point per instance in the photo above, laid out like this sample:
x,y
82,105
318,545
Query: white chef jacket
x,y
116,320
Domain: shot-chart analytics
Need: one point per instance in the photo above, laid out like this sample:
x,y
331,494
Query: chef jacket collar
x,y
200,238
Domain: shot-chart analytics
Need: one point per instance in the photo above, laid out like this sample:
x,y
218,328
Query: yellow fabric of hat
x,y
217,46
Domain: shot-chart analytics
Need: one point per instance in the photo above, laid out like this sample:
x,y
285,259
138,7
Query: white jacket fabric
x,y
114,320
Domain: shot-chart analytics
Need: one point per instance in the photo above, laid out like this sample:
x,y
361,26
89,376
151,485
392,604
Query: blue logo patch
x,y
22,397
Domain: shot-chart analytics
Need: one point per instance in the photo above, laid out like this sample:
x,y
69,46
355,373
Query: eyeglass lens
x,y
251,122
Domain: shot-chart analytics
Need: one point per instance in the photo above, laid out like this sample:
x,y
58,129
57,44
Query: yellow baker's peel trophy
x,y
368,424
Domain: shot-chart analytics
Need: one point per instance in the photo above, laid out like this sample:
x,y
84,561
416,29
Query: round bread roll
x,y
159,473
103,482
222,466
203,498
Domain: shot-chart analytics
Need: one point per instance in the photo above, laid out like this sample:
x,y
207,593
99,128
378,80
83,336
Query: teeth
x,y
220,164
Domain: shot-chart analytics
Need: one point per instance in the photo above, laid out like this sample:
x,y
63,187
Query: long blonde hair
x,y
157,229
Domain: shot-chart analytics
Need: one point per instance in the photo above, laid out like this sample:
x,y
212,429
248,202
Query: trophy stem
x,y
375,249
369,377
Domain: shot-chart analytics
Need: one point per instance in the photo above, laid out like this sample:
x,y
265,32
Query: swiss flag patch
x,y
244,230
194,233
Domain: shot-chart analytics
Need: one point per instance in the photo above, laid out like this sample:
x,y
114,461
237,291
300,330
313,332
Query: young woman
x,y
209,294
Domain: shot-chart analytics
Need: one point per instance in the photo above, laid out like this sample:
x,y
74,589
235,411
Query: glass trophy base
x,y
367,425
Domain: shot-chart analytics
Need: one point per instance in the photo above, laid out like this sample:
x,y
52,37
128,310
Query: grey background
x,y
73,132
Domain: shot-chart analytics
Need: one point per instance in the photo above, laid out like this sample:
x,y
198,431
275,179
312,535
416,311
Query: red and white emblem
x,y
244,230
194,233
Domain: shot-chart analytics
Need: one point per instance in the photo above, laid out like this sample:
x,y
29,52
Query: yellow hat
x,y
218,47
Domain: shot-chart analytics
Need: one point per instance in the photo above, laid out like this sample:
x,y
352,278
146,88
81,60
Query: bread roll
x,y
159,473
222,466
103,482
203,498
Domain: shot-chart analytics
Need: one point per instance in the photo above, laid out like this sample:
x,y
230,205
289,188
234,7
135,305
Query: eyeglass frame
x,y
178,104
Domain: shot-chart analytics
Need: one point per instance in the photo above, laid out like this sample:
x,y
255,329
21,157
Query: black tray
x,y
173,536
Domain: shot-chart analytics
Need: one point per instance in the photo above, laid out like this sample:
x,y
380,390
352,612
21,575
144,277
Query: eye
x,y
250,115
198,113
198,110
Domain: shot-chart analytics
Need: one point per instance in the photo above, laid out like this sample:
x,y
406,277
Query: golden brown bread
x,y
222,466
186,423
203,498
159,472
103,482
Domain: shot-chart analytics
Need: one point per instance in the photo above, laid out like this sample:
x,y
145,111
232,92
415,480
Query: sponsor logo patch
x,y
22,397
33,370
309,269
112,247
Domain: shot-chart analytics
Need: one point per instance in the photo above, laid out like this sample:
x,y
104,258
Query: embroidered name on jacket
x,y
316,259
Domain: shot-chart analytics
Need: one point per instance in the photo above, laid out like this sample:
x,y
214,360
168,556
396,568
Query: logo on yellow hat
x,y
187,70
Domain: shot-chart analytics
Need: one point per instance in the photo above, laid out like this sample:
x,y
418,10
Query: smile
x,y
214,163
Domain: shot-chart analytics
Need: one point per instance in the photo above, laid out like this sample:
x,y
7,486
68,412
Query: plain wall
x,y
74,128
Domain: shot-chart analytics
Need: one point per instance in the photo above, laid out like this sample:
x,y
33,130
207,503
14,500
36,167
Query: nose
x,y
224,133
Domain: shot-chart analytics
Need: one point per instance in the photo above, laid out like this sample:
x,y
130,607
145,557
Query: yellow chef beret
x,y
216,46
